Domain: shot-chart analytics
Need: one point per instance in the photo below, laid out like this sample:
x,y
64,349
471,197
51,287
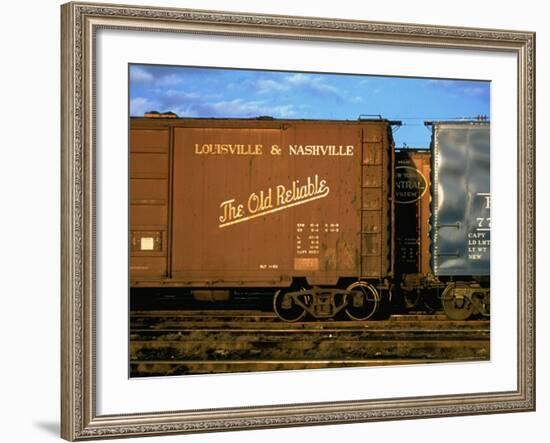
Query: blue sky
x,y
225,93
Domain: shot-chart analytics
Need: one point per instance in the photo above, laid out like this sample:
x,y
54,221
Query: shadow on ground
x,y
49,427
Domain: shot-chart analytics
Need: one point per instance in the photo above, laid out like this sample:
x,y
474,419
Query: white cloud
x,y
165,93
143,76
140,75
311,83
178,95
457,88
475,91
243,108
316,85
298,79
141,105
169,80
191,104
268,85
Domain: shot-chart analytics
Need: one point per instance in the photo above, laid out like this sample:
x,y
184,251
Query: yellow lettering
x,y
261,203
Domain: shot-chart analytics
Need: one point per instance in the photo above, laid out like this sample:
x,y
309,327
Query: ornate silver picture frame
x,y
79,376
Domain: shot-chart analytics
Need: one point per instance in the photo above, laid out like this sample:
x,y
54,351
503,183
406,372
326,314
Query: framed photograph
x,y
277,221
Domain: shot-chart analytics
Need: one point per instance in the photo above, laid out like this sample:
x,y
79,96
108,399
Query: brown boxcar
x,y
412,210
412,229
218,204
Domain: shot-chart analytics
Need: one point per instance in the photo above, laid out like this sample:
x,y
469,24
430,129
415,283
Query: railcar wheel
x,y
363,303
286,308
457,303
